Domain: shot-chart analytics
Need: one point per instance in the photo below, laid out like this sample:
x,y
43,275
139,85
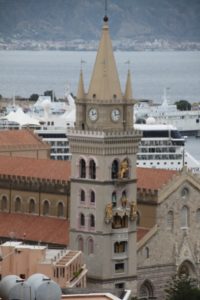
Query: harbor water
x,y
26,72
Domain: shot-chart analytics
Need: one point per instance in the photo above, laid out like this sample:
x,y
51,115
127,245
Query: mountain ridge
x,y
144,20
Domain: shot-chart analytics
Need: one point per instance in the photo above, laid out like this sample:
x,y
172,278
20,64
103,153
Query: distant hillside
x,y
75,19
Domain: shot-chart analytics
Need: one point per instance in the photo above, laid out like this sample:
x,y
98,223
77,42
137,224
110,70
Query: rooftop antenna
x,y
106,10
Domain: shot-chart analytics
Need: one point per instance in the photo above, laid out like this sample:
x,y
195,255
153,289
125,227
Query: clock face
x,y
115,114
93,114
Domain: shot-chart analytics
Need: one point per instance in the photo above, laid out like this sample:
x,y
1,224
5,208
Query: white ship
x,y
187,122
163,147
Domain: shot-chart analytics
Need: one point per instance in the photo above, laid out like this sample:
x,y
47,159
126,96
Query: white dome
x,y
150,120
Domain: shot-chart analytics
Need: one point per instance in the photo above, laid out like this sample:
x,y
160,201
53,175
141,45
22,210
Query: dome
x,y
150,120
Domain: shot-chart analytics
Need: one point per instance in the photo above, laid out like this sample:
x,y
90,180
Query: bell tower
x,y
103,181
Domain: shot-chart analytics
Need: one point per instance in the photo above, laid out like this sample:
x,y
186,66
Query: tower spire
x,y
128,90
105,84
81,90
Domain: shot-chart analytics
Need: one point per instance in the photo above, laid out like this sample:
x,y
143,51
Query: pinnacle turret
x,y
128,90
81,90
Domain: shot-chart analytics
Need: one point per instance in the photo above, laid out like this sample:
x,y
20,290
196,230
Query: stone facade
x,y
172,245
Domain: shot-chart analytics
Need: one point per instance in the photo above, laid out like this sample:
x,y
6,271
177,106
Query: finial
x,y
105,17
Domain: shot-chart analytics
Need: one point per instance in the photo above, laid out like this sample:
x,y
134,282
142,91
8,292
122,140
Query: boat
x,y
162,146
187,122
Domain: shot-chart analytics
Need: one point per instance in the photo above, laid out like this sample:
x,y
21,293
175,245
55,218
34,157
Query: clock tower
x,y
103,178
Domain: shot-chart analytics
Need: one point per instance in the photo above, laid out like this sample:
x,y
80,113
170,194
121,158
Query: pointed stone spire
x,y
105,84
128,90
81,90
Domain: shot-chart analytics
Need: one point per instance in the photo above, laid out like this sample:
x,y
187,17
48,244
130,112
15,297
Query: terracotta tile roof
x,y
37,168
153,179
20,138
141,232
35,228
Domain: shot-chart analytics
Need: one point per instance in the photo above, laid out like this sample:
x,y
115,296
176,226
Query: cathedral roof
x,y
153,179
43,229
20,138
105,84
35,168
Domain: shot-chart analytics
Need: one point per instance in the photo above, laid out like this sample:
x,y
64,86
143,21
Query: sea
x,y
23,73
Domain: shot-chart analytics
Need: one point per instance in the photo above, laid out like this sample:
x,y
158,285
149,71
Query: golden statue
x,y
123,168
133,210
109,212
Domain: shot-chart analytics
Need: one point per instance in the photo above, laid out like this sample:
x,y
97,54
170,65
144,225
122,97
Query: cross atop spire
x,y
106,9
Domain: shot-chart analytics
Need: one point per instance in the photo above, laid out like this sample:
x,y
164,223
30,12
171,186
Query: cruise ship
x,y
162,146
187,122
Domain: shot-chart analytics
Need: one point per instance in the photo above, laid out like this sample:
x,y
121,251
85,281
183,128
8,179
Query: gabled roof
x,y
105,82
35,168
34,228
20,138
153,179
141,232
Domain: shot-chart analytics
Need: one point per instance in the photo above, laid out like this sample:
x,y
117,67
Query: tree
x,y
182,288
34,97
183,105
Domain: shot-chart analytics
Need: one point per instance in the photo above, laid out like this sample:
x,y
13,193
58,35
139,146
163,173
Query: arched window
x,y
117,221
114,199
82,168
115,169
170,219
31,206
124,199
147,252
184,217
82,219
46,208
80,244
146,291
92,197
120,247
18,204
92,221
82,196
60,209
198,216
4,203
138,218
184,193
90,246
92,169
